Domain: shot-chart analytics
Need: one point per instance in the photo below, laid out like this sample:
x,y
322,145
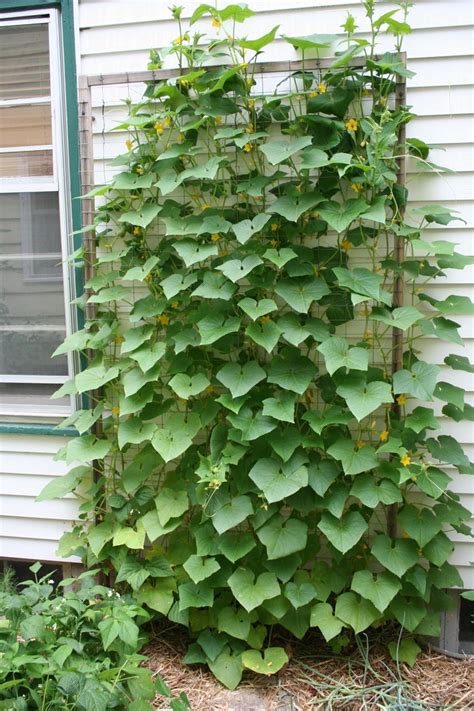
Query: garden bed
x,y
316,679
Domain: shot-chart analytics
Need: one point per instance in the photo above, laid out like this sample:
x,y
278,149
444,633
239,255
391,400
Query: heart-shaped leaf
x,y
301,293
199,568
251,591
278,480
246,229
279,151
255,309
271,661
239,379
236,269
186,386
282,537
344,532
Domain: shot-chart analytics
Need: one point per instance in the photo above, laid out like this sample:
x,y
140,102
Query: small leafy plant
x,y
266,457
73,649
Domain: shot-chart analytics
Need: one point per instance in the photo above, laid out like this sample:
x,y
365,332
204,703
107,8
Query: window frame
x,y
65,182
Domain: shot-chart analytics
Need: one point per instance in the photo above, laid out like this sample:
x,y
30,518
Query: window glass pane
x,y
26,125
24,61
26,164
32,315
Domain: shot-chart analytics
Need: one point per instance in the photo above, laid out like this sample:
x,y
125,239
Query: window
x,y
35,281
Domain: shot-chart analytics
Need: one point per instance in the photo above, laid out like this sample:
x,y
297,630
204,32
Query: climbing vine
x,y
259,461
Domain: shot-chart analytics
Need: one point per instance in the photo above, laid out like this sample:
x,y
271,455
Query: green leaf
x,y
205,171
239,379
284,441
281,150
335,102
59,486
337,354
84,449
355,612
447,449
236,269
99,535
193,252
282,537
142,217
266,334
361,282
291,207
234,545
279,480
250,591
362,398
246,229
215,286
332,416
371,492
450,393
199,568
177,437
380,589
409,612
402,318
251,425
442,328
438,549
133,380
186,386
132,181
147,356
421,418
420,523
353,460
257,44
314,41
313,158
171,503
133,338
281,407
322,475
227,668
299,594
234,622
301,293
396,555
459,363
134,431
159,597
292,372
257,309
139,273
280,257
461,305
420,381
340,215
176,283
345,532
322,616
95,376
231,513
195,595
405,650
126,536
270,662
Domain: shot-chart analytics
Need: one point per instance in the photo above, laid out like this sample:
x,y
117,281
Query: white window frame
x,y
59,182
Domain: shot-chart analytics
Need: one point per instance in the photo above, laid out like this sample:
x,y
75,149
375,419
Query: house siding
x,y
115,36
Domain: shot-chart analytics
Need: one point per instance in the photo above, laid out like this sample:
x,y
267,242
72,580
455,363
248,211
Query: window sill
x,y
26,428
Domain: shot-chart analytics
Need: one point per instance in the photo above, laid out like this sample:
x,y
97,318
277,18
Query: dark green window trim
x,y
72,117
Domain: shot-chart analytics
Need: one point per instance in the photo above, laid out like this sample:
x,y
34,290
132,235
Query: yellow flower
x,y
352,125
322,88
206,206
368,336
401,400
214,484
249,81
346,245
360,443
405,460
181,137
148,278
167,122
164,319
249,129
274,226
274,242
183,82
115,410
159,128
136,231
265,319
129,144
210,389
405,534
313,93
366,92
174,305
383,101
248,147
383,436
357,187
139,169
178,40
251,103
215,237
218,120
216,23
119,339
223,253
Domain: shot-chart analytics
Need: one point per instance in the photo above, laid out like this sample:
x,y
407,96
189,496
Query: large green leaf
x,y
291,372
268,662
252,425
344,532
380,589
176,283
236,269
355,612
192,252
227,668
362,398
231,513
315,41
86,448
322,616
409,612
141,217
95,376
403,317
281,407
278,480
372,492
246,229
171,503
234,622
450,393
265,334
199,568
235,544
334,103
339,216
447,449
195,595
301,293
251,591
215,286
332,416
239,379
421,418
354,460
174,439
281,150
257,44
280,257
421,524
397,555
257,309
283,537
337,354
362,282
215,326
420,381
291,207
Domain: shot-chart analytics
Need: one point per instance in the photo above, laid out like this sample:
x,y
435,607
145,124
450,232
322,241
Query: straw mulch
x,y
316,680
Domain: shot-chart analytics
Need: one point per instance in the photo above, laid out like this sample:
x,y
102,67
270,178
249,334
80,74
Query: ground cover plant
x,y
74,648
265,457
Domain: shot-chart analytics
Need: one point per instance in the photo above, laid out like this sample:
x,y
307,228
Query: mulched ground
x,y
316,680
